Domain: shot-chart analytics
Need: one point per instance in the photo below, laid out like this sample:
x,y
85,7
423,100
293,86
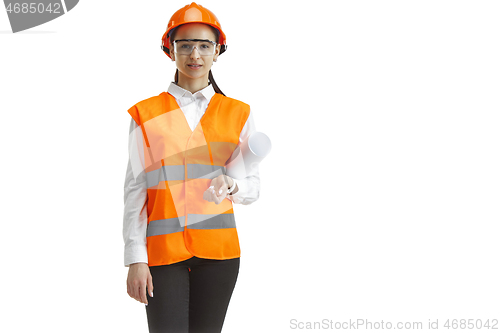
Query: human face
x,y
184,62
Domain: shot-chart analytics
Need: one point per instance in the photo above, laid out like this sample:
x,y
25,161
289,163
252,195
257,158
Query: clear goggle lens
x,y
185,47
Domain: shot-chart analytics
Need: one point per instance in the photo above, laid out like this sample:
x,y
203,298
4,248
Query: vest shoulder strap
x,y
236,111
147,109
235,102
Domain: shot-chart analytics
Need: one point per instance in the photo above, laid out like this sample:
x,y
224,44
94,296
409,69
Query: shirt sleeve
x,y
135,219
248,187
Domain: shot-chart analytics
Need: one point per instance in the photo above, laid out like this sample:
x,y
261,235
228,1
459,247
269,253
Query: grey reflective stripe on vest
x,y
166,226
205,171
166,172
195,221
176,172
211,221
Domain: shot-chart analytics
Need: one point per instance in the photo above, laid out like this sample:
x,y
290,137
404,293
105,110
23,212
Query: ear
x,y
171,52
217,51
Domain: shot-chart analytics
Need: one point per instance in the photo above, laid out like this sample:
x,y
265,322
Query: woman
x,y
179,227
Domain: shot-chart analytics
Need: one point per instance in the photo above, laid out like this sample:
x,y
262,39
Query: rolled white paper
x,y
248,155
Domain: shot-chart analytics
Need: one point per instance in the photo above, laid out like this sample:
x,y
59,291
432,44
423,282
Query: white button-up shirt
x,y
135,219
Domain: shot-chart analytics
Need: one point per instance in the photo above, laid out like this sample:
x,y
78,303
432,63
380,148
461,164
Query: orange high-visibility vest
x,y
180,165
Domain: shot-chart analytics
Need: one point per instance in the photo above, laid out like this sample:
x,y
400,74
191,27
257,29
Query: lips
x,y
194,66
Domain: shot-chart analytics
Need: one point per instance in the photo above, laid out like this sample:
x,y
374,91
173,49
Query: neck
x,y
192,85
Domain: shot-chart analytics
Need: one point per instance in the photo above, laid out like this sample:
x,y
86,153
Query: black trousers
x,y
191,296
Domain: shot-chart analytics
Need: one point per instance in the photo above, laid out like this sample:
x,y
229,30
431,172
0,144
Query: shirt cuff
x,y
239,196
135,254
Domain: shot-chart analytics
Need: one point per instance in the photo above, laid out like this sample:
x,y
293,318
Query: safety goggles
x,y
205,47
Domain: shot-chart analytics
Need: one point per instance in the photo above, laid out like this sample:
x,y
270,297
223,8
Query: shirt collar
x,y
178,92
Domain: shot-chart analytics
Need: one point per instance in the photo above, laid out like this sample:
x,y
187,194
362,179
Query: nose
x,y
194,55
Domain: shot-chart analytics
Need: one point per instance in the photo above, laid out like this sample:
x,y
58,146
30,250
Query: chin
x,y
196,74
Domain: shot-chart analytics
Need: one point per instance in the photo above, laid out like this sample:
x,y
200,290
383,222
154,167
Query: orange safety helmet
x,y
190,14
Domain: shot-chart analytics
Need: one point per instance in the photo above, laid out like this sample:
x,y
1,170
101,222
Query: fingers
x,y
139,291
150,285
136,288
222,190
217,190
130,289
212,195
142,293
207,195
221,194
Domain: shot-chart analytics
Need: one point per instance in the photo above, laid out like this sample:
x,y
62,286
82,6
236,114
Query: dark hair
x,y
210,76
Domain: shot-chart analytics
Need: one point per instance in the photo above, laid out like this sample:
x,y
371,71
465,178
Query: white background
x,y
379,200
